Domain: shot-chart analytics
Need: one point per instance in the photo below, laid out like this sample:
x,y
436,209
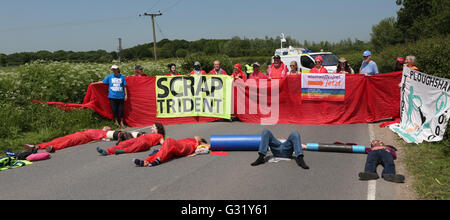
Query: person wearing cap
x,y
117,94
368,66
217,70
139,70
343,67
277,69
256,73
411,62
237,72
319,68
173,70
399,64
197,69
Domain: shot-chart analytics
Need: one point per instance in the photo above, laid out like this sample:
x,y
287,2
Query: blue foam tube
x,y
235,142
336,148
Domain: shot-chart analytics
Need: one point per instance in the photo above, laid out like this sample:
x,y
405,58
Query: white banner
x,y
424,109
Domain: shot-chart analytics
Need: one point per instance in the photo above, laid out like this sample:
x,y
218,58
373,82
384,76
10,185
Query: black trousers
x,y
117,107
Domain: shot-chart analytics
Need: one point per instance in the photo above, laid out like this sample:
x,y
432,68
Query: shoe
x,y
259,161
395,178
368,176
102,151
301,162
30,147
119,152
139,163
50,149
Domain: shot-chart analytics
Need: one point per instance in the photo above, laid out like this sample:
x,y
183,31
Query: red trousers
x,y
139,144
172,147
78,138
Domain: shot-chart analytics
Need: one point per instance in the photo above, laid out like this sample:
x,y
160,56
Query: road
x,y
81,173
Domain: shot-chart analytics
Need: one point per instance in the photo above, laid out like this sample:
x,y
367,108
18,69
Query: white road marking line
x,y
372,185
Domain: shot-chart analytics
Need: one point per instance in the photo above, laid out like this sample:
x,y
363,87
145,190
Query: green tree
x,y
386,33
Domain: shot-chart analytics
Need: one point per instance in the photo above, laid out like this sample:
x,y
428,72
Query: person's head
x,y
138,69
277,60
158,128
399,62
294,65
237,68
115,69
216,65
106,128
343,64
197,66
376,143
256,66
249,61
410,60
318,61
172,67
367,55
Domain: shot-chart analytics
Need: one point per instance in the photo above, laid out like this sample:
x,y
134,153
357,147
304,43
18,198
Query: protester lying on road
x,y
138,144
78,138
292,145
379,153
171,148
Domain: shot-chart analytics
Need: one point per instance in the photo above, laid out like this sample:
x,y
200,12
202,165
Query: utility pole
x,y
120,48
154,34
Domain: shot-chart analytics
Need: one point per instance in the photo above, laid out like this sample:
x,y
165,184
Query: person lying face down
x,y
136,141
173,148
75,139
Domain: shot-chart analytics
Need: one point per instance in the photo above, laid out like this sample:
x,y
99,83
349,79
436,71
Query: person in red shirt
x,y
141,143
171,148
217,70
319,68
139,70
237,72
278,69
78,138
256,73
197,69
173,70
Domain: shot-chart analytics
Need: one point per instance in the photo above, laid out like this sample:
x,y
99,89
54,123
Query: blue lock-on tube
x,y
241,142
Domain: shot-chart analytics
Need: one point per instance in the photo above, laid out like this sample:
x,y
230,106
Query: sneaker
x,y
139,163
102,152
259,161
395,178
50,149
30,147
301,162
368,176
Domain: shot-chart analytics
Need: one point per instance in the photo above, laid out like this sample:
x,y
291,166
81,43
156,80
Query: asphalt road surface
x,y
81,173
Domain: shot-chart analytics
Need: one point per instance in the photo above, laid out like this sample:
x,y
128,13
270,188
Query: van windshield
x,y
328,59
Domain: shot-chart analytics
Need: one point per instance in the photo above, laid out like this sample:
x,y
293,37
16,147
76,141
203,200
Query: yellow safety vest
x,y
249,69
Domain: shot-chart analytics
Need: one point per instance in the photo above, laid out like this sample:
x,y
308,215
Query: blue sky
x,y
82,25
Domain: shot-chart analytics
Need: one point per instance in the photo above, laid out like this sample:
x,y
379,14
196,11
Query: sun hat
x,y
114,66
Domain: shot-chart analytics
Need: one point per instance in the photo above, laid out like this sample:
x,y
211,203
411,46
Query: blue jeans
x,y
378,157
292,144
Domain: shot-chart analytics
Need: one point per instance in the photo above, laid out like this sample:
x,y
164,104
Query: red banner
x,y
367,99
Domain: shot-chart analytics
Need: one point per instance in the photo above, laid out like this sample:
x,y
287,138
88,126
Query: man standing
x,y
217,70
368,66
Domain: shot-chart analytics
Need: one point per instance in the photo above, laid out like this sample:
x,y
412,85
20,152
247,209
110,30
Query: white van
x,y
305,58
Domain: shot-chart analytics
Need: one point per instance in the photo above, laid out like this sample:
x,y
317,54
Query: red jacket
x,y
213,71
322,70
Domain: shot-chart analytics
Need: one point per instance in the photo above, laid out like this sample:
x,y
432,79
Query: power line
x,y
172,6
154,35
160,31
66,24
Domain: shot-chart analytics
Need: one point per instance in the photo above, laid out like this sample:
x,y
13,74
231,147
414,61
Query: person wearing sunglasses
x,y
343,67
319,68
368,66
294,69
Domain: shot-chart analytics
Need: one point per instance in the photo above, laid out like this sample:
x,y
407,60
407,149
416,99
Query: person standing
x,y
217,70
294,69
117,94
139,70
319,68
249,68
278,69
368,66
411,62
197,69
399,64
173,70
256,73
343,67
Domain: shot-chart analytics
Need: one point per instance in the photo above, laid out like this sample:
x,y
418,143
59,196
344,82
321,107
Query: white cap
x,y
114,66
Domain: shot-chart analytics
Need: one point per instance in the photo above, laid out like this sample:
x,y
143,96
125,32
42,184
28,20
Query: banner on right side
x,y
424,108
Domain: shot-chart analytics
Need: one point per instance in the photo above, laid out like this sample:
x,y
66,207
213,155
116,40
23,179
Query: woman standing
x,y
343,67
319,68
